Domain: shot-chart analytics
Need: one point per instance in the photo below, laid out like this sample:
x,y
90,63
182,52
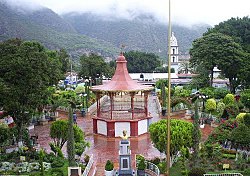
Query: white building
x,y
174,51
71,78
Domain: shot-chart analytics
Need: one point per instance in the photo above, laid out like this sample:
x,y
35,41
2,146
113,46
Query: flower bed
x,y
23,167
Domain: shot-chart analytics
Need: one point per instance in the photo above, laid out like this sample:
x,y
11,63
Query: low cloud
x,y
183,11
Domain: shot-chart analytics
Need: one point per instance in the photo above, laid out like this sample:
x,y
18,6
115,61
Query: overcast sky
x,y
183,11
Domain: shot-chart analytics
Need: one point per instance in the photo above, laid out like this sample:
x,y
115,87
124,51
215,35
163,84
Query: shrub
x,y
246,172
196,172
57,150
247,119
240,117
49,158
57,172
240,105
4,129
228,99
86,158
57,163
210,105
109,166
232,110
141,165
32,155
82,167
220,93
139,157
162,167
220,107
156,160
245,98
209,91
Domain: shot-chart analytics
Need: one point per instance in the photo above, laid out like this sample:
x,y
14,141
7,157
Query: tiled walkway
x,y
104,148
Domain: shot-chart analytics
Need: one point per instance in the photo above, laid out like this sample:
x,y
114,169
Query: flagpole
x,y
169,90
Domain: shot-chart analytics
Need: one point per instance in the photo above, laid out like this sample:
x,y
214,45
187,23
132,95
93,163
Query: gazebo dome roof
x,y
121,81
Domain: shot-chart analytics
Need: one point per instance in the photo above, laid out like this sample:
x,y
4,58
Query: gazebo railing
x,y
121,115
224,174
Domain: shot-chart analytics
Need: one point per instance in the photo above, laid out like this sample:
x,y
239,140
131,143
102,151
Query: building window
x,y
173,59
173,51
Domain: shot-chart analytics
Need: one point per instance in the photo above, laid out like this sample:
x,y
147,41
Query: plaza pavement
x,y
103,148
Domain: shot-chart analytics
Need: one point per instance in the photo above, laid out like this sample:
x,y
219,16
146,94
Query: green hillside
x,y
86,33
51,30
143,33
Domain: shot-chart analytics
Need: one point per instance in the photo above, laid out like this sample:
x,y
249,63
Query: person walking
x,y
74,118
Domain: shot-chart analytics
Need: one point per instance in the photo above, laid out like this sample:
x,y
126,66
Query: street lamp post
x,y
86,94
203,97
169,90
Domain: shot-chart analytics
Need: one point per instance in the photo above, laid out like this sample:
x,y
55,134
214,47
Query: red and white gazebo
x,y
124,104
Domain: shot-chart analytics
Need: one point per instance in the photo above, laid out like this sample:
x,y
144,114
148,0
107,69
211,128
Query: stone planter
x,y
141,172
109,173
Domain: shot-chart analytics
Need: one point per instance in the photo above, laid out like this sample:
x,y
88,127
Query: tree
x,y
245,98
160,82
181,135
216,49
94,66
4,134
240,135
140,62
201,79
64,58
59,133
164,69
71,140
238,29
185,68
196,134
181,92
27,69
220,93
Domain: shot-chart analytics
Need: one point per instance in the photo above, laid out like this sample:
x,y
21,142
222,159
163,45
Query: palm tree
x,y
185,68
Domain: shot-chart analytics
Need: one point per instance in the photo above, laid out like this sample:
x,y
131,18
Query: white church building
x,y
174,57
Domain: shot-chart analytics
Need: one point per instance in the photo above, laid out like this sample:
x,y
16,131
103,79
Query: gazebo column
x,y
98,96
146,103
111,95
132,95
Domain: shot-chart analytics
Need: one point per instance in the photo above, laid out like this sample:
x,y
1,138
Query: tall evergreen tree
x,y
71,141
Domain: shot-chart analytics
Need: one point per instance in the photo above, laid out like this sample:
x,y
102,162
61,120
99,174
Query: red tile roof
x,y
121,81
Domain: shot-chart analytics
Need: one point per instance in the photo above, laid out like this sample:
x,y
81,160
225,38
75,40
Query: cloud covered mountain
x,y
84,33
